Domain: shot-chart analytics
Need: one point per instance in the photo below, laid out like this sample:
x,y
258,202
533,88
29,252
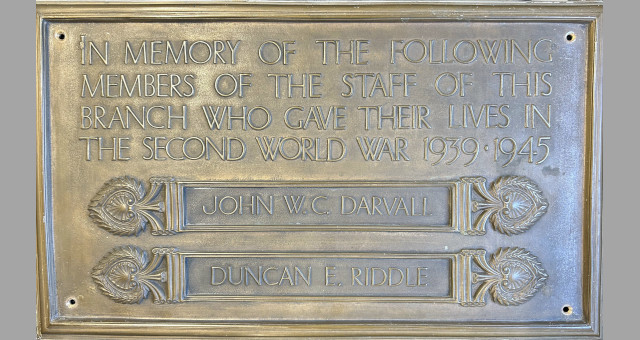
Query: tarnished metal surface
x,y
407,169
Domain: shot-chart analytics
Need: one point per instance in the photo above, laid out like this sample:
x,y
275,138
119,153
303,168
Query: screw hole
x,y
60,35
571,37
72,302
567,310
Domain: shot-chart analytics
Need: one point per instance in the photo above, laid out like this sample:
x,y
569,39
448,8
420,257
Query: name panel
x,y
512,204
174,276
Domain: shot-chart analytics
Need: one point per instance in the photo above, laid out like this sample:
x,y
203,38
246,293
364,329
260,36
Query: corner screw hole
x,y
72,302
60,35
571,37
567,310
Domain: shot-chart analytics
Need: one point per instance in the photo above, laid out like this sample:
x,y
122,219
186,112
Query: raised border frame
x,y
49,326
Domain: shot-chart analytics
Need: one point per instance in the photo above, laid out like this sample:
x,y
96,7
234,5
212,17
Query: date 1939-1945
x,y
449,150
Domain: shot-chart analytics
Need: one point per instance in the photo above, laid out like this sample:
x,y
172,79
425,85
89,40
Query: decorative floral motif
x,y
513,276
119,206
126,275
513,204
123,208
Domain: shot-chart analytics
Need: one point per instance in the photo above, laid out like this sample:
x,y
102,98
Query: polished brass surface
x,y
401,169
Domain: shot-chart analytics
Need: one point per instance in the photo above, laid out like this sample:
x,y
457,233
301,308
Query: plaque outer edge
x,y
50,326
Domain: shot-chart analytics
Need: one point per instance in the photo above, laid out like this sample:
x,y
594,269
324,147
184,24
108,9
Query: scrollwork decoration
x,y
126,275
123,207
512,276
513,204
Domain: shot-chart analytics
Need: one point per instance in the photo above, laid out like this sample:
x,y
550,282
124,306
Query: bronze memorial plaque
x,y
421,169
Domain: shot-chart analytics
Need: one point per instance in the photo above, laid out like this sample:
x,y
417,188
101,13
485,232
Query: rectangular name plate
x,y
405,169
171,206
175,277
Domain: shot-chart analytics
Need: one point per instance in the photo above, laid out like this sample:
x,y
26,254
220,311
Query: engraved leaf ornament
x,y
122,206
513,276
117,275
513,204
